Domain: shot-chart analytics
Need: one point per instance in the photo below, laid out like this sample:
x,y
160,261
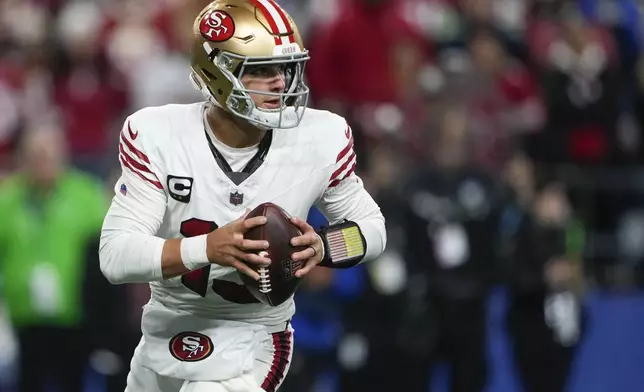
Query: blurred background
x,y
503,140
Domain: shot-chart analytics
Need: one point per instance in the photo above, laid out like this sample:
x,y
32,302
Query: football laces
x,y
264,280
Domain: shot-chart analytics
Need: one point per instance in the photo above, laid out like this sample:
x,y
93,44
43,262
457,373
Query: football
x,y
277,281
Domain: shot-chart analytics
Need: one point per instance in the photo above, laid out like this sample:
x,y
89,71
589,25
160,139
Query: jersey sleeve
x,y
129,251
345,160
133,159
345,198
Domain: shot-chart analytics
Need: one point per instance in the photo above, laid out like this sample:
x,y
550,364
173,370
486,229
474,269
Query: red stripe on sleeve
x,y
131,161
344,151
125,163
134,150
335,183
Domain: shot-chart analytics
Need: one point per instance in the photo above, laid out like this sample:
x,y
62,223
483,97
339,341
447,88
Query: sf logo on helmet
x,y
190,346
217,26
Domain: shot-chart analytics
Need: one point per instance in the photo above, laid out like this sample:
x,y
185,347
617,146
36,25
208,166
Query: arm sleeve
x,y
129,250
346,198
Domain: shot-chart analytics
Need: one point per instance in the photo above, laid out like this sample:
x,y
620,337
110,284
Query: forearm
x,y
349,201
349,243
139,258
171,262
130,257
375,234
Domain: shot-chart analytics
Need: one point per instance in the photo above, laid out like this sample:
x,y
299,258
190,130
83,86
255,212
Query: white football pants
x,y
270,368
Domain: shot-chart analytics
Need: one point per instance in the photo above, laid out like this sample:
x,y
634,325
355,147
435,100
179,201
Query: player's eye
x,y
265,70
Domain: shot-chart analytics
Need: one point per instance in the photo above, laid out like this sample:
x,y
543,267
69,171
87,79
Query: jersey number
x,y
197,280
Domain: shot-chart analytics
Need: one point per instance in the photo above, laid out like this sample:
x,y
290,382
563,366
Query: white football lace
x,y
264,280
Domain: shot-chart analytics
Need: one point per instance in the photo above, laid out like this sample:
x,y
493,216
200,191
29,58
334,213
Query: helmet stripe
x,y
271,21
285,20
276,20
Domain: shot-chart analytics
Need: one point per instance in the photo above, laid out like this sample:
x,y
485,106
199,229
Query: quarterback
x,y
190,174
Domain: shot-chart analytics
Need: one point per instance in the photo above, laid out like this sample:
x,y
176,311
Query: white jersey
x,y
172,187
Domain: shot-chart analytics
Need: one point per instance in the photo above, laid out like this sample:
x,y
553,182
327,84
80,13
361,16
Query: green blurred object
x,y
575,238
42,247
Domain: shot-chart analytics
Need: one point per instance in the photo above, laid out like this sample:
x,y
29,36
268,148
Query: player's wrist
x,y
194,253
323,252
344,245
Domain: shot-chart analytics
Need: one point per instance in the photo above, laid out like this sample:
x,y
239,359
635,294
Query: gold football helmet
x,y
232,38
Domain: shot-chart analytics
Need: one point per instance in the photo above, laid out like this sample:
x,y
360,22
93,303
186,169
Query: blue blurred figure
x,y
318,322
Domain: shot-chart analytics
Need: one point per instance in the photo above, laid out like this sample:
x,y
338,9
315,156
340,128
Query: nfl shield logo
x,y
236,198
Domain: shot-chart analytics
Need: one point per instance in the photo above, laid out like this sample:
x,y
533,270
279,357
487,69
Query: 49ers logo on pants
x,y
190,346
217,26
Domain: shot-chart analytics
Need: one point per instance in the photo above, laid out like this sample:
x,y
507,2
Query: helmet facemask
x,y
293,99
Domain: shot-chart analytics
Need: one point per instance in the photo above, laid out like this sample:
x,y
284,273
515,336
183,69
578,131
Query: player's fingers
x,y
304,254
251,258
245,269
238,240
260,258
247,244
306,239
306,269
255,221
302,225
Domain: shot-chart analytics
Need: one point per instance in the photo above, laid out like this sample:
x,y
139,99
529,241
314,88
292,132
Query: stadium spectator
x,y
49,213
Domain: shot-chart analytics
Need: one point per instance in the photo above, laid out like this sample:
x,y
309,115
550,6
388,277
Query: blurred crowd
x,y
502,139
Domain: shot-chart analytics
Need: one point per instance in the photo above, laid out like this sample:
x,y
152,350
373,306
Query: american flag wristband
x,y
344,245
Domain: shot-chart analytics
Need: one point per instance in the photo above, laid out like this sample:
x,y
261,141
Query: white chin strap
x,y
290,117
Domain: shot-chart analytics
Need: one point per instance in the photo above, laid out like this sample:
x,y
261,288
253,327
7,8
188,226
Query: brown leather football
x,y
277,281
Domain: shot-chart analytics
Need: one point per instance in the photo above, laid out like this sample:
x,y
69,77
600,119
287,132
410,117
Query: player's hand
x,y
227,246
312,255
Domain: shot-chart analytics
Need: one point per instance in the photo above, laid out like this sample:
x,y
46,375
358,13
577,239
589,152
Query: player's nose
x,y
277,84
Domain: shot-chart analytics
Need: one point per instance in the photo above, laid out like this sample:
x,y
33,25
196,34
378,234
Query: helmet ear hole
x,y
208,74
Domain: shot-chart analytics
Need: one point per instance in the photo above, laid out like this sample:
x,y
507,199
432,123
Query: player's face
x,y
269,78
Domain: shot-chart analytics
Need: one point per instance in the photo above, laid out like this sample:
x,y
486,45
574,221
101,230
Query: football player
x,y
190,173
